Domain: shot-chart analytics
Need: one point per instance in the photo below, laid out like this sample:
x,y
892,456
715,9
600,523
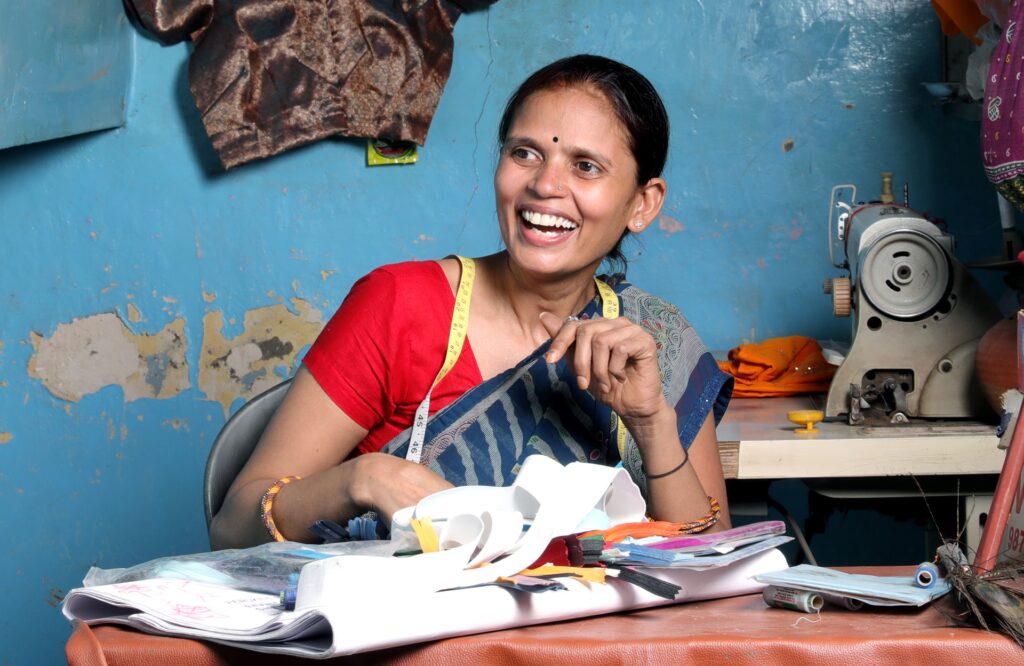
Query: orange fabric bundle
x,y
958,16
778,366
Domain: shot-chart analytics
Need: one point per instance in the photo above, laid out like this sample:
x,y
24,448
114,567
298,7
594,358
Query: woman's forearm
x,y
676,496
377,481
327,494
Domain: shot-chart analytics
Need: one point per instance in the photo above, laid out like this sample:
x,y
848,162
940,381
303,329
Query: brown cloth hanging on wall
x,y
271,75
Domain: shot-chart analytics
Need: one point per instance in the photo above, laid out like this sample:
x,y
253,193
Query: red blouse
x,y
379,353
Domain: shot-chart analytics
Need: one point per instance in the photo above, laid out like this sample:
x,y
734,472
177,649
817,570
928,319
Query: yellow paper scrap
x,y
592,574
424,529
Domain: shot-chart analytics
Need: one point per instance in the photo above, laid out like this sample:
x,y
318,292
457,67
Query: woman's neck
x,y
525,296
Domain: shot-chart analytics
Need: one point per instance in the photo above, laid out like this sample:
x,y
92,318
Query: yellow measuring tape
x,y
610,310
457,339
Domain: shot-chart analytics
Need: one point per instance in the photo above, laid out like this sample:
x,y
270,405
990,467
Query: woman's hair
x,y
635,101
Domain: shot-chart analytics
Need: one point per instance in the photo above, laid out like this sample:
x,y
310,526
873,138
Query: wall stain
x,y
326,273
247,365
88,354
787,145
670,225
6,437
56,596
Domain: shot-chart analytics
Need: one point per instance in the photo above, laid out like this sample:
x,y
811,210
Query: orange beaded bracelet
x,y
267,506
711,518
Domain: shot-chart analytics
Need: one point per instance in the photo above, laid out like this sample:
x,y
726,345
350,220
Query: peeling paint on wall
x,y
244,366
91,353
176,424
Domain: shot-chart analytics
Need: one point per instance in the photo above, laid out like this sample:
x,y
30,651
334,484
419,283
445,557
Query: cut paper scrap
x,y
425,533
554,498
592,574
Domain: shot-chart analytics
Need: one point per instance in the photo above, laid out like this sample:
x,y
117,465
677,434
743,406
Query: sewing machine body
x,y
916,316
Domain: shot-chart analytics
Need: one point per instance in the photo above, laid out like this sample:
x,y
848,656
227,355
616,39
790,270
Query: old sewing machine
x,y
917,314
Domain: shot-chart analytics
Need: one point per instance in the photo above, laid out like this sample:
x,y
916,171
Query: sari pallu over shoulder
x,y
536,407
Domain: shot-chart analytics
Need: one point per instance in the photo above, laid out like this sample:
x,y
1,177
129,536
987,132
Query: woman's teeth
x,y
548,225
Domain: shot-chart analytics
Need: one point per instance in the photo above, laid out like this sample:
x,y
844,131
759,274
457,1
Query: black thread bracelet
x,y
686,459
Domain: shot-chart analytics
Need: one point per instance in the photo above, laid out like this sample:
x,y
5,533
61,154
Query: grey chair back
x,y
234,445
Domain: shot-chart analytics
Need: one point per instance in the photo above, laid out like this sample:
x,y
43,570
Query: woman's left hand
x,y
615,359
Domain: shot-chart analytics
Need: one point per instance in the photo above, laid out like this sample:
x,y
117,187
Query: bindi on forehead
x,y
555,139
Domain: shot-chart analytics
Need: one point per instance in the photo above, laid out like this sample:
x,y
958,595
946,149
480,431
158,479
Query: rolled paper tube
x,y
926,575
849,603
804,601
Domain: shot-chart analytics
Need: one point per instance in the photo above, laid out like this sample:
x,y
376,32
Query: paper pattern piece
x,y
348,624
355,603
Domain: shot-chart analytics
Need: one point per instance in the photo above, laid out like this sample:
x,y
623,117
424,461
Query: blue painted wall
x,y
139,222
64,68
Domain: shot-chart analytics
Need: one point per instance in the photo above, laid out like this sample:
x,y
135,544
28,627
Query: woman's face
x,y
565,186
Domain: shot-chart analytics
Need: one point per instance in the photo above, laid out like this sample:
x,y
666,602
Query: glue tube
x,y
926,575
804,601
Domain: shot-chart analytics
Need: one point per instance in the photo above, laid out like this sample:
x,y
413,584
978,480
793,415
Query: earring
x,y
638,223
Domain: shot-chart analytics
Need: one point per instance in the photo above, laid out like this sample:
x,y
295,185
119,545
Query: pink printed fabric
x,y
1002,118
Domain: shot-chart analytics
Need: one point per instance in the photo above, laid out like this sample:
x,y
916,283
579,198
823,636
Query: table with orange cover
x,y
740,630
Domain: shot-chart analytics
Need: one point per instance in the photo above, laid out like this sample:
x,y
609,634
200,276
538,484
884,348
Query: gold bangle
x,y
267,506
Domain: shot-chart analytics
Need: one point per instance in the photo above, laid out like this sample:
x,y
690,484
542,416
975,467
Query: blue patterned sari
x,y
536,407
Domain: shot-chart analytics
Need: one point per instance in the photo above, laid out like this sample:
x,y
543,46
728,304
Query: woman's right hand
x,y
387,483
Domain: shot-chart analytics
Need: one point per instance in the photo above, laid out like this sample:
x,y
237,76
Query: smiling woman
x,y
454,371
564,206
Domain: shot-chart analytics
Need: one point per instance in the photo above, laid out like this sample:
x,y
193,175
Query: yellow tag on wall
x,y
380,152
